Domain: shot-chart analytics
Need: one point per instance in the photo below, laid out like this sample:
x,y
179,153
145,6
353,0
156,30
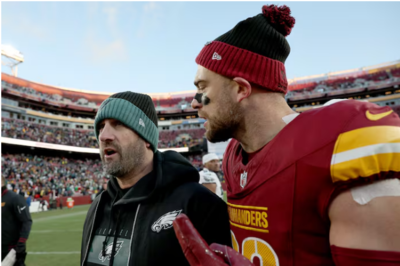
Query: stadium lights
x,y
13,56
11,52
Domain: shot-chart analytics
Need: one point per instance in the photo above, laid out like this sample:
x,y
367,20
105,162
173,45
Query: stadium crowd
x,y
19,129
38,176
46,96
354,80
342,83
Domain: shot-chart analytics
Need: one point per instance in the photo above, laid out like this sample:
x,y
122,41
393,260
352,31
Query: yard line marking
x,y
59,216
55,253
55,231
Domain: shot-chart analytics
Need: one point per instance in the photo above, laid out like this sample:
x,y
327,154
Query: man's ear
x,y
244,89
147,145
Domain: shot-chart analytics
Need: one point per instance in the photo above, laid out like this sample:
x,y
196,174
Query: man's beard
x,y
225,123
130,157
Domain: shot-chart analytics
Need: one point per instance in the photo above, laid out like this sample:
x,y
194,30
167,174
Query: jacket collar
x,y
3,190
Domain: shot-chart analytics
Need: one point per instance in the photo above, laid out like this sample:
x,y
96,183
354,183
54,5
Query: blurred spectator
x,y
28,200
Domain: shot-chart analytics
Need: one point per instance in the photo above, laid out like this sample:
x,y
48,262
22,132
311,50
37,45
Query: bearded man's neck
x,y
130,179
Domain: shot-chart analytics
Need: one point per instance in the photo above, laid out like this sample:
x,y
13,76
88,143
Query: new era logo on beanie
x,y
255,49
135,110
216,56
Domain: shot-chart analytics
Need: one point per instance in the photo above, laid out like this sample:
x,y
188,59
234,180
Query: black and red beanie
x,y
255,49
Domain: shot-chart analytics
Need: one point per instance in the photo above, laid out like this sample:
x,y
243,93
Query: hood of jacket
x,y
170,169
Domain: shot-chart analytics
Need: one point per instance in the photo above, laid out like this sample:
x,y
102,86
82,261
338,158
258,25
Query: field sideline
x,y
55,237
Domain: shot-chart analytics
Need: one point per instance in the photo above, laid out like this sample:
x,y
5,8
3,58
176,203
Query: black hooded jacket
x,y
142,217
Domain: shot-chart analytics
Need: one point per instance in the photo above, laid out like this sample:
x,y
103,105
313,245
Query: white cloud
x,y
150,6
111,13
25,26
102,52
92,9
105,43
150,20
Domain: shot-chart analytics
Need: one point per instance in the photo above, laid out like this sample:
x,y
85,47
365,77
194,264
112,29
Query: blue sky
x,y
151,46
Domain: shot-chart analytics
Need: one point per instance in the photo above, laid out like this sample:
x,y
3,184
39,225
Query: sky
x,y
150,47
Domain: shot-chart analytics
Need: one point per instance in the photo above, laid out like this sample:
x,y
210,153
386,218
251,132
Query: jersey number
x,y
253,247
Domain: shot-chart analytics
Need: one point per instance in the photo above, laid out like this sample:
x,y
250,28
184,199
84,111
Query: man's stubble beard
x,y
130,157
225,123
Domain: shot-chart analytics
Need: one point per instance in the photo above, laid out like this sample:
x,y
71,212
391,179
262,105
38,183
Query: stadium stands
x,y
169,102
39,175
181,138
396,109
305,89
42,97
396,72
20,129
330,86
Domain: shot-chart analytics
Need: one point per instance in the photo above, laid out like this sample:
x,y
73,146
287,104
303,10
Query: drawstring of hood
x,y
115,239
103,251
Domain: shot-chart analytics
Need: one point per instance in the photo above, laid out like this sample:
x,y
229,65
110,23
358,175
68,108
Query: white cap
x,y
209,157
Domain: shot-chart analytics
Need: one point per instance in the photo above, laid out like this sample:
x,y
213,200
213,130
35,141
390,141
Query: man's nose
x,y
106,134
195,104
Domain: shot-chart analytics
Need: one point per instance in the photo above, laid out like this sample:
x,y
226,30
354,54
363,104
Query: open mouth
x,y
108,152
205,120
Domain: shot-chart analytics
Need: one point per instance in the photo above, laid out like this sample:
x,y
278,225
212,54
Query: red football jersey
x,y
278,202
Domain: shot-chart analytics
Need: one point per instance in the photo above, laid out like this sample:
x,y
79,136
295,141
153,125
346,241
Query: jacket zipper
x,y
133,229
90,235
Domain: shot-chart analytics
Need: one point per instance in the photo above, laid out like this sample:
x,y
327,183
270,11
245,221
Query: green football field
x,y
55,237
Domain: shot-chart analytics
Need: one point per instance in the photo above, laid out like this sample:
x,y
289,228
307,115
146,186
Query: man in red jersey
x,y
317,188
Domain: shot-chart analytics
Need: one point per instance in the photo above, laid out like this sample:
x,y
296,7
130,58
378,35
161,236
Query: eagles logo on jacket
x,y
278,202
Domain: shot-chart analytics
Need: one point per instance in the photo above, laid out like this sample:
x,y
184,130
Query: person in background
x,y
16,223
60,200
208,176
29,200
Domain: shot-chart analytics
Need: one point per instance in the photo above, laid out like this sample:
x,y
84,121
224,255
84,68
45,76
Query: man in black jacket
x,y
130,223
16,223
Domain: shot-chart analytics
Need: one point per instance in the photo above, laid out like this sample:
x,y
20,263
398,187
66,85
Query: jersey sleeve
x,y
364,150
21,210
368,148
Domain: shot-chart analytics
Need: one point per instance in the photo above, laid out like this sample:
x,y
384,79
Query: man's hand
x,y
20,253
197,251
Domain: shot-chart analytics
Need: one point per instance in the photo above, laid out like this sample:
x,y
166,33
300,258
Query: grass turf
x,y
55,238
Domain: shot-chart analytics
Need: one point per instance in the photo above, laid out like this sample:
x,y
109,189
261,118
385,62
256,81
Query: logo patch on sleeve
x,y
376,117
